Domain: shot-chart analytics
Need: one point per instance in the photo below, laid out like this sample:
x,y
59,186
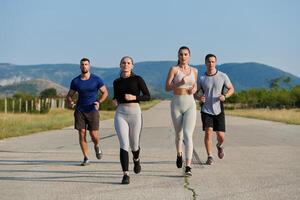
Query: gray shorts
x,y
88,121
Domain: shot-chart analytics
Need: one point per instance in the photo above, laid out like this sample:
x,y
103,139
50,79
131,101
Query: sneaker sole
x,y
188,174
84,164
99,156
221,155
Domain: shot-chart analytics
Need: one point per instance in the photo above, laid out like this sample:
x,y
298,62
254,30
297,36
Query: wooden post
x,y
26,106
63,103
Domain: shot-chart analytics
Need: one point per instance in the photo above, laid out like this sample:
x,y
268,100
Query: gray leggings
x,y
128,125
183,112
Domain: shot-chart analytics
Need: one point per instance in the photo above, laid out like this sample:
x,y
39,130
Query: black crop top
x,y
132,85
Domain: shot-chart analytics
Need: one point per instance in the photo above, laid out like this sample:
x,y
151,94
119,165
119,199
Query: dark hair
x,y
84,59
182,48
122,59
125,58
209,56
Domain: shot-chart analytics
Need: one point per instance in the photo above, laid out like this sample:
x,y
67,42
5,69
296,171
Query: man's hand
x,y
202,99
222,97
97,105
72,105
115,102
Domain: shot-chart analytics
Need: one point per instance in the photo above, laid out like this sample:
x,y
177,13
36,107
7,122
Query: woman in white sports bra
x,y
182,80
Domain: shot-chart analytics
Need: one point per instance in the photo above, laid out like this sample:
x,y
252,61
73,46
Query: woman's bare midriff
x,y
130,104
180,91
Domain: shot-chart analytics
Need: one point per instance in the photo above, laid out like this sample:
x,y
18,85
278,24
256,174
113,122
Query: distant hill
x,y
33,87
243,75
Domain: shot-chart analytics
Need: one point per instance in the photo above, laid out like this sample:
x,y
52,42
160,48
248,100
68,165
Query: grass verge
x,y
12,125
290,116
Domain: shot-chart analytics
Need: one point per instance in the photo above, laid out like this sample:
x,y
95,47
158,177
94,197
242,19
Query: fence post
x,y
53,104
26,106
63,103
46,103
38,105
32,105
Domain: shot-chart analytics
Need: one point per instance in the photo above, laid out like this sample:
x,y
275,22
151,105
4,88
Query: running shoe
x,y
188,171
98,152
137,166
179,161
210,160
125,179
220,151
85,162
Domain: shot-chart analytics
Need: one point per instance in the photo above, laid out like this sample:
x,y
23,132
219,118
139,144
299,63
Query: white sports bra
x,y
179,75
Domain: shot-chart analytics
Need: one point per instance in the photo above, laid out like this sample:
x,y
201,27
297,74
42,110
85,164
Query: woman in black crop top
x,y
129,90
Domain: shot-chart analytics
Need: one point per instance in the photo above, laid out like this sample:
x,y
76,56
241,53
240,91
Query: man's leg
x,y
95,136
219,122
83,142
93,126
220,138
208,140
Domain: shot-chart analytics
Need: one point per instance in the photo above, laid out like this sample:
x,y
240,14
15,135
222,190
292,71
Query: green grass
x,y
23,124
289,116
149,104
12,125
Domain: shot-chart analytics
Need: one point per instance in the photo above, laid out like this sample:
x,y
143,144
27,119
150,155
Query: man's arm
x,y
228,94
104,95
70,94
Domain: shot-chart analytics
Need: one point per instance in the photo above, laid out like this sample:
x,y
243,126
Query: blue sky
x,y
64,31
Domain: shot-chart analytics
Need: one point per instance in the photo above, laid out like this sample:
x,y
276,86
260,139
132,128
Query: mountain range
x,y
244,76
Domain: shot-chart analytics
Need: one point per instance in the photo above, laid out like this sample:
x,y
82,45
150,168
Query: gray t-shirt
x,y
212,87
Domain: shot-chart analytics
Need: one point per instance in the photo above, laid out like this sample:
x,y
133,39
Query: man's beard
x,y
84,71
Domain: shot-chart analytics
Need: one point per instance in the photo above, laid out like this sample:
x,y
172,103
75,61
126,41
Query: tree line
x,y
274,97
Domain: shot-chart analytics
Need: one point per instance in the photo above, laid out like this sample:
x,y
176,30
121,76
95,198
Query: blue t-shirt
x,y
87,92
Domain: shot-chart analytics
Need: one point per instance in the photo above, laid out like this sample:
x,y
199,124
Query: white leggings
x,y
183,112
128,125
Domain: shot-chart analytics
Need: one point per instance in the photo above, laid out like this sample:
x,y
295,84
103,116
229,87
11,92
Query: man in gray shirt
x,y
211,86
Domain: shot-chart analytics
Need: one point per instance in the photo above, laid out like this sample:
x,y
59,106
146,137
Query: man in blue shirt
x,y
86,114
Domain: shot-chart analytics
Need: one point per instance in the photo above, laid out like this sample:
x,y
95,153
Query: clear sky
x,y
64,31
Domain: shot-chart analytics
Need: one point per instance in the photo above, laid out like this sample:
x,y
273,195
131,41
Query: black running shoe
x,y
188,171
126,179
210,160
98,152
137,166
220,151
85,162
179,161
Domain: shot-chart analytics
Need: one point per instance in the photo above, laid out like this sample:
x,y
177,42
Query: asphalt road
x,y
261,162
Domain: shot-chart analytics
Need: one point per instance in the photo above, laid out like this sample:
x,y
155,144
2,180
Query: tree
x,y
48,93
275,83
287,80
23,95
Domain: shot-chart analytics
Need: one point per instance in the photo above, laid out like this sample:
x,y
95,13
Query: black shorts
x,y
86,120
217,122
